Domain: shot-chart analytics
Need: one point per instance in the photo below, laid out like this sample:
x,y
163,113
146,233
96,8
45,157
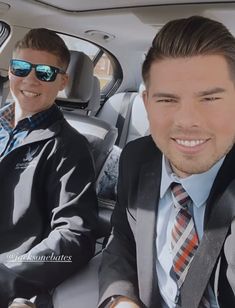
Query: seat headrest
x,y
80,71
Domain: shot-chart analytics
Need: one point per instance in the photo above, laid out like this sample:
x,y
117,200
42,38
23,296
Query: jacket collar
x,y
224,177
43,134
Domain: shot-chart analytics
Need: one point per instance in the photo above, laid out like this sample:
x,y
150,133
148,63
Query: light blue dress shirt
x,y
198,187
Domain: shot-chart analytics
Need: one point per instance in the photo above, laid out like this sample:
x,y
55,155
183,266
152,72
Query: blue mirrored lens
x,y
45,72
20,68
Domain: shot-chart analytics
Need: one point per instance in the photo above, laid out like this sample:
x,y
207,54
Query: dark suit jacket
x,y
129,262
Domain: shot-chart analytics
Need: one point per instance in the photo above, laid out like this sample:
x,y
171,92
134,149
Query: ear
x,y
145,98
64,81
9,73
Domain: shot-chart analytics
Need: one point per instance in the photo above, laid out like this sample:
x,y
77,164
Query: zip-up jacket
x,y
48,210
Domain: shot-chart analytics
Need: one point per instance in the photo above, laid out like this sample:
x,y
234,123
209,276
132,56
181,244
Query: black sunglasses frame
x,y
55,70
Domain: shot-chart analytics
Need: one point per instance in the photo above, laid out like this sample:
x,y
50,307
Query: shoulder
x,y
136,154
69,140
140,150
72,135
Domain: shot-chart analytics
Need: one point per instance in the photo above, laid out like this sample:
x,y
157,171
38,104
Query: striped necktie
x,y
184,240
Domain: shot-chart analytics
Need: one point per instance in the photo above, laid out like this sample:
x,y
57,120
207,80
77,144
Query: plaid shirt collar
x,y
7,118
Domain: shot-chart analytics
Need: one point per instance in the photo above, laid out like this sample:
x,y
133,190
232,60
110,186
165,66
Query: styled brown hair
x,y
189,37
45,40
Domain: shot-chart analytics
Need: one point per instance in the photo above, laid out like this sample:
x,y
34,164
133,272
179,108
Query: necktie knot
x,y
180,195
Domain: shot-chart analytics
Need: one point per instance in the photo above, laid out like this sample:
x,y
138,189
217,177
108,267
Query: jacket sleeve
x,y
229,251
70,213
118,271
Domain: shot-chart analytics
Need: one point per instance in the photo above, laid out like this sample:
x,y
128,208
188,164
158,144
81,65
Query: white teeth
x,y
30,94
189,143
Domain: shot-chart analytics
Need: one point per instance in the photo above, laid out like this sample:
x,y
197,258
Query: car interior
x,y
108,41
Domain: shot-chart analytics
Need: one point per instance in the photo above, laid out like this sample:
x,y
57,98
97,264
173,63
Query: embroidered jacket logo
x,y
30,155
28,159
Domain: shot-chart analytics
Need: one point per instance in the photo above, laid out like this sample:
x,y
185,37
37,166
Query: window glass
x,y
74,43
4,84
4,31
103,68
104,71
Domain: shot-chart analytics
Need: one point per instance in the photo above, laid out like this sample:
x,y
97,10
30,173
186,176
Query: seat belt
x,y
123,119
209,249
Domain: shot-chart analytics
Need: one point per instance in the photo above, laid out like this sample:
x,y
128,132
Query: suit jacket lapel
x,y
147,198
209,249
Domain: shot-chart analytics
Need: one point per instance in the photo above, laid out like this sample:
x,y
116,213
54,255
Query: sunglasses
x,y
21,68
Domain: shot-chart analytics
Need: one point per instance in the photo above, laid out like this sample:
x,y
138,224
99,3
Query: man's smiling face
x,y
30,94
191,110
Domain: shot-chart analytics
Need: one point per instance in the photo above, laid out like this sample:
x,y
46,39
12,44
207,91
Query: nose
x,y
187,115
31,77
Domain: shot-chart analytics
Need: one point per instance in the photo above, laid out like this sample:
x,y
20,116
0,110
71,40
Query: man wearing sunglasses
x,y
48,205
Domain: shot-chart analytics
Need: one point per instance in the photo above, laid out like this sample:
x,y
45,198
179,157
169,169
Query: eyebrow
x,y
215,90
164,94
211,91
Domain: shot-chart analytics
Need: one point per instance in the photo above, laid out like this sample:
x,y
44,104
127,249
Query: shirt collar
x,y
7,116
34,121
197,186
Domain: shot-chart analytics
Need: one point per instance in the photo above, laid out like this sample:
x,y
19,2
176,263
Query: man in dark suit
x,y
172,243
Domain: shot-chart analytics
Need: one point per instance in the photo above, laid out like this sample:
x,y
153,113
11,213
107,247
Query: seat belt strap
x,y
124,117
124,134
122,114
209,249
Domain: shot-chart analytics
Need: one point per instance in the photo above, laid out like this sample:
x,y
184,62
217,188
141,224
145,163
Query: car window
x,y
74,43
4,88
105,65
4,32
104,70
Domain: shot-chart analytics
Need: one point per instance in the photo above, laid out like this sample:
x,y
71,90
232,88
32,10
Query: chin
x,y
193,168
